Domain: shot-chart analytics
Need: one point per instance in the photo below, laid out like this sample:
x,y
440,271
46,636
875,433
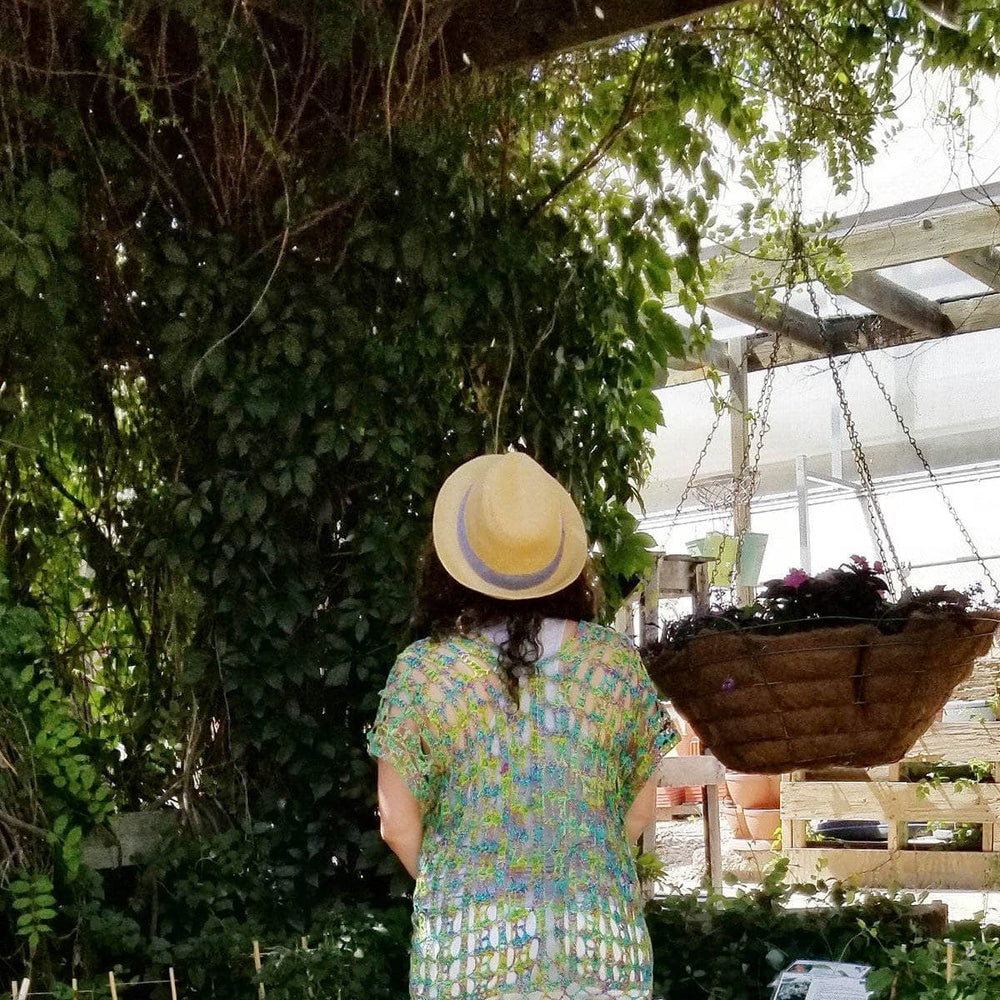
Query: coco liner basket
x,y
845,695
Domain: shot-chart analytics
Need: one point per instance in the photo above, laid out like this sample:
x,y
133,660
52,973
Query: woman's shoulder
x,y
607,637
435,650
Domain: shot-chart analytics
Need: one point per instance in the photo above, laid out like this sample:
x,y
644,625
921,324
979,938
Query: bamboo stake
x,y
13,989
257,966
114,988
949,966
305,942
25,987
173,983
76,995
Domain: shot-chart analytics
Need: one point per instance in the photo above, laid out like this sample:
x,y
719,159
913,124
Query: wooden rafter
x,y
983,264
923,230
794,324
848,333
487,34
889,299
962,227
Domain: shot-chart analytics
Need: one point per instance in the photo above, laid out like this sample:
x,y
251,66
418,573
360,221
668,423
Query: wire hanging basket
x,y
724,492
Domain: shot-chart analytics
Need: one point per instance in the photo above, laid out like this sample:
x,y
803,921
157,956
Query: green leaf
x,y
60,179
173,252
34,214
256,503
8,261
412,247
26,277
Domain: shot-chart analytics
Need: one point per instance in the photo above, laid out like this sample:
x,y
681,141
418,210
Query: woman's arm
x,y
642,812
401,819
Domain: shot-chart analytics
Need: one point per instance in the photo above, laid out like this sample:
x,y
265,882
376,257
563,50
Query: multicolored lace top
x,y
526,885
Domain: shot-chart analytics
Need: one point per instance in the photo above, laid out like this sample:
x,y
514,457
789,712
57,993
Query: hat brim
x,y
448,545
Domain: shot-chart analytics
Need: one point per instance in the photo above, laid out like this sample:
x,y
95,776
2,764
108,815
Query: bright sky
x,y
949,390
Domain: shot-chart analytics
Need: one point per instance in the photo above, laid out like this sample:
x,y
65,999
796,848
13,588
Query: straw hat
x,y
504,527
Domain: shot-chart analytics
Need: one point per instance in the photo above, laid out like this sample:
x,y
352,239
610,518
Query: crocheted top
x,y
526,885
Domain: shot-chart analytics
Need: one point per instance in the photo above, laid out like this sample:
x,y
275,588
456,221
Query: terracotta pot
x,y
762,823
754,791
734,817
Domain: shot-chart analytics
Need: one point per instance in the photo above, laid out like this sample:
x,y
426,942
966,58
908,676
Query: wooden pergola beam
x,y
939,227
893,301
850,334
983,264
792,323
483,34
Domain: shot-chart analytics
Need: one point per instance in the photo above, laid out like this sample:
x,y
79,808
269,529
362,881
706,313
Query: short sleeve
x,y
649,731
395,737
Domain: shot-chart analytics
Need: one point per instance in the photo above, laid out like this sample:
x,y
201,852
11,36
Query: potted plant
x,y
820,670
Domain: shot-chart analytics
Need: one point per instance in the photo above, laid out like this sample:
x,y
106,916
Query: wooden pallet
x,y
885,798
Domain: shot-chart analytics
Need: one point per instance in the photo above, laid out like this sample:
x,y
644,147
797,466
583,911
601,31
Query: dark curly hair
x,y
444,607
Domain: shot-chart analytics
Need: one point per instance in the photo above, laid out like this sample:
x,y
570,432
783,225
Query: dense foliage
x,y
263,283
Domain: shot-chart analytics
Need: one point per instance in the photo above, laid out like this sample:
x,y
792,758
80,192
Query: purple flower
x,y
878,568
795,579
729,684
861,562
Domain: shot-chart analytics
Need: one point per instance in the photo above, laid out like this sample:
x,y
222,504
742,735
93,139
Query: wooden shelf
x,y
958,742
883,797
905,869
889,801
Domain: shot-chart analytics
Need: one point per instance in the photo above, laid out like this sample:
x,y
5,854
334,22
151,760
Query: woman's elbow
x,y
390,832
396,830
636,822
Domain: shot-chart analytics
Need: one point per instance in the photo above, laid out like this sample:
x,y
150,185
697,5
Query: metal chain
x,y
883,540
755,440
930,472
697,467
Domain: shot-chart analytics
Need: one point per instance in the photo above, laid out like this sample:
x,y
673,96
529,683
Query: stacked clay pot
x,y
756,813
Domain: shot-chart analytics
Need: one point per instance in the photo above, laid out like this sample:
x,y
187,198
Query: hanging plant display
x,y
821,670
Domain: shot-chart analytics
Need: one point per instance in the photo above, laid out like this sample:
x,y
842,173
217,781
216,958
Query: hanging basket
x,y
846,695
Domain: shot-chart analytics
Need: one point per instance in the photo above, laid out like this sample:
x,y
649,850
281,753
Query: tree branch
x,y
606,141
19,824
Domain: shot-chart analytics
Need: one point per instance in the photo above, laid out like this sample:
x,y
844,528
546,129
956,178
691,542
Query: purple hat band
x,y
508,581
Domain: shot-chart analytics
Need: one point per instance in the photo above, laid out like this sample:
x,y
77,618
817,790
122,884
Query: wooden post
x,y
793,831
991,831
650,604
713,833
898,830
305,943
257,966
173,983
76,995
739,434
114,988
701,588
949,968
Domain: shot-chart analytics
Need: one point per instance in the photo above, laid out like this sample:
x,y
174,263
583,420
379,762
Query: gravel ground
x,y
680,845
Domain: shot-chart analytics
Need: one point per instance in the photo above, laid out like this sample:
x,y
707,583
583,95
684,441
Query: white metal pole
x,y
802,488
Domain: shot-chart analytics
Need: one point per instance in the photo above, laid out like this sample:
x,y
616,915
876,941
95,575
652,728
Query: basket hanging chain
x,y
883,540
755,441
689,485
930,473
